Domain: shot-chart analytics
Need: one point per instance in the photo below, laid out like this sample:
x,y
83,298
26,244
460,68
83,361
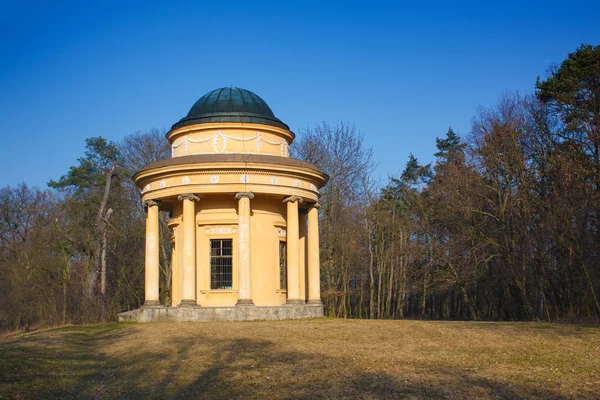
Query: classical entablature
x,y
230,173
244,217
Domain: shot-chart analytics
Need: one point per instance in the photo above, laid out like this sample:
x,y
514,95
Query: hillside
x,y
322,358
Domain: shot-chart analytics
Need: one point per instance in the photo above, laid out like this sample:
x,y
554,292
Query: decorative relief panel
x,y
223,142
162,184
214,179
220,230
285,152
185,180
281,232
258,142
219,143
244,178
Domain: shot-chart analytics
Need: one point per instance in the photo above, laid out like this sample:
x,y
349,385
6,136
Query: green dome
x,y
230,104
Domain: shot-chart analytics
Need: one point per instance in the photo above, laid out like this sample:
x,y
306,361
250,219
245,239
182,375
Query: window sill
x,y
218,291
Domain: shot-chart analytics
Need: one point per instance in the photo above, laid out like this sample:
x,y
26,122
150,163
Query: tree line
x,y
74,253
504,224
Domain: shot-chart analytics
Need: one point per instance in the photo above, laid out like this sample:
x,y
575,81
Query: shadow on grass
x,y
71,363
55,364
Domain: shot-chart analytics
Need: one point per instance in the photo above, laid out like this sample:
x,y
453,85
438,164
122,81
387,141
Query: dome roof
x,y
230,104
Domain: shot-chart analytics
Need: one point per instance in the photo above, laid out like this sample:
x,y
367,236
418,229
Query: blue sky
x,y
401,72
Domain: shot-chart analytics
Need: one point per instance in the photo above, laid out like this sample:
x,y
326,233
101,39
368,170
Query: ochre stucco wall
x,y
217,218
230,138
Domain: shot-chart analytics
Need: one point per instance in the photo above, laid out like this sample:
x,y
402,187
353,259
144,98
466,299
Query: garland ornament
x,y
258,138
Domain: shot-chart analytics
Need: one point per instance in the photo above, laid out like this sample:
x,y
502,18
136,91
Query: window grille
x,y
221,261
282,265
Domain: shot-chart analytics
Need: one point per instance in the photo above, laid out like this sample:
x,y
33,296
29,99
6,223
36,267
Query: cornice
x,y
230,164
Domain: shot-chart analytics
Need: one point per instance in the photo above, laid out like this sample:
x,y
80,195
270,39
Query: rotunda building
x,y
244,217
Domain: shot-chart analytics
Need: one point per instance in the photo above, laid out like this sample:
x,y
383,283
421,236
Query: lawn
x,y
320,358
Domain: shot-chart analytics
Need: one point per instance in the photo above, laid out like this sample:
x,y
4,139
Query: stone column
x,y
188,269
151,262
303,254
179,262
314,269
293,255
244,270
174,270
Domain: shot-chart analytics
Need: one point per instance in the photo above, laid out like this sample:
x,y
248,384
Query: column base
x,y
151,303
188,303
244,302
294,302
315,302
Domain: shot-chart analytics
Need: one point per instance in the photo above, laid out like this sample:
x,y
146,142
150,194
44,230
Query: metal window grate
x,y
221,261
282,265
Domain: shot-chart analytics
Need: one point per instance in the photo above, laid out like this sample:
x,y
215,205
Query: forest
x,y
503,225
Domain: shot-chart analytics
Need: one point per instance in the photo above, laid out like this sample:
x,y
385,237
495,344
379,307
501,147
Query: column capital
x,y
293,199
151,203
316,205
240,195
188,196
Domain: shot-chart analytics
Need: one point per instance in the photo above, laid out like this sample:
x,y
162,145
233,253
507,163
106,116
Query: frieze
x,y
220,230
219,143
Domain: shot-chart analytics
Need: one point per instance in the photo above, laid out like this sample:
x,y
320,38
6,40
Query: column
x,y
188,293
179,261
293,262
303,256
244,271
175,274
314,269
151,261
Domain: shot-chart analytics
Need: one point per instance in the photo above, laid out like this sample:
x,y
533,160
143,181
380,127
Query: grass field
x,y
322,358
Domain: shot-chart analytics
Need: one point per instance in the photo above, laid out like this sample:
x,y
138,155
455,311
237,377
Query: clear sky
x,y
402,72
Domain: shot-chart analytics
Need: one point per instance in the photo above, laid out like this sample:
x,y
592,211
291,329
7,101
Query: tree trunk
x,y
371,272
101,243
103,255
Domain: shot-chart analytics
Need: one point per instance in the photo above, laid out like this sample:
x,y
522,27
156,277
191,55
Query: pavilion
x,y
243,214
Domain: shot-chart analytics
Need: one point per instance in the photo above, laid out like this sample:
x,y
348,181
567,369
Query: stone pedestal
x,y
237,313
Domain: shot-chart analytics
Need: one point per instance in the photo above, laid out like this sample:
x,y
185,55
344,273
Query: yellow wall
x,y
217,218
267,216
230,138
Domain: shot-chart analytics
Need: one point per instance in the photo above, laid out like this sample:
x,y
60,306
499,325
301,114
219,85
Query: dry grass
x,y
321,358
